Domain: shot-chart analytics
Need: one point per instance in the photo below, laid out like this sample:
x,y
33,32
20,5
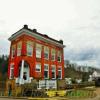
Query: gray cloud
x,y
86,56
4,47
77,22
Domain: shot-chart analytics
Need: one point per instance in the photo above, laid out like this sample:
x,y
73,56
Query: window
x,y
59,73
11,71
38,67
53,54
13,51
29,48
46,53
38,50
46,71
59,56
53,71
19,48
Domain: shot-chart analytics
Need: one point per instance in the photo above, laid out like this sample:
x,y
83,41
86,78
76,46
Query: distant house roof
x,y
36,34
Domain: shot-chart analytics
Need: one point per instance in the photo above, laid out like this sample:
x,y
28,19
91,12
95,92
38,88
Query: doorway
x,y
25,73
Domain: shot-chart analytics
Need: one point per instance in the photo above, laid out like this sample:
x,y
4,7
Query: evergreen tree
x,y
3,67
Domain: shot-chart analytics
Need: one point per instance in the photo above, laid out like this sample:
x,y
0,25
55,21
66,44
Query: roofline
x,y
30,33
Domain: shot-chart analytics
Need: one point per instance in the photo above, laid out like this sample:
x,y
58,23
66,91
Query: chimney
x,y
45,35
25,26
61,41
35,30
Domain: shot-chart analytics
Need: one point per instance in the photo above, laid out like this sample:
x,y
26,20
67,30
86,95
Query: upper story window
x,y
38,50
13,51
29,48
19,48
53,71
46,52
53,54
59,56
46,71
38,67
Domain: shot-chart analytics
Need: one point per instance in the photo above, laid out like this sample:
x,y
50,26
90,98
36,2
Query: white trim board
x,y
37,36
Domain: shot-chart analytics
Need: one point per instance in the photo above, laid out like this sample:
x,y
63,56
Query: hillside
x,y
72,73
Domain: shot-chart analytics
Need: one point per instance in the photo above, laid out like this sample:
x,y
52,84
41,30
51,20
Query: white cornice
x,y
37,36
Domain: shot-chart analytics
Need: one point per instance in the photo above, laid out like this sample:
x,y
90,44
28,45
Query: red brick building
x,y
35,56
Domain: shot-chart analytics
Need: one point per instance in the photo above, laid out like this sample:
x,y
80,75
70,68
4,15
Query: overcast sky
x,y
77,22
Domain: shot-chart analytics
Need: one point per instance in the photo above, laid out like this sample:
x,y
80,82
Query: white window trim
x,y
40,67
60,58
29,43
47,53
46,50
38,55
55,70
61,71
12,64
53,54
59,54
20,43
47,70
38,49
54,57
18,54
13,51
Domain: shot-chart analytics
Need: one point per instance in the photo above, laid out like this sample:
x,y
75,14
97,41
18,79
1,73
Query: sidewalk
x,y
9,98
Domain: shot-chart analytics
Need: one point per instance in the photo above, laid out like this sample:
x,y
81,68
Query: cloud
x,y
86,56
77,22
4,46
